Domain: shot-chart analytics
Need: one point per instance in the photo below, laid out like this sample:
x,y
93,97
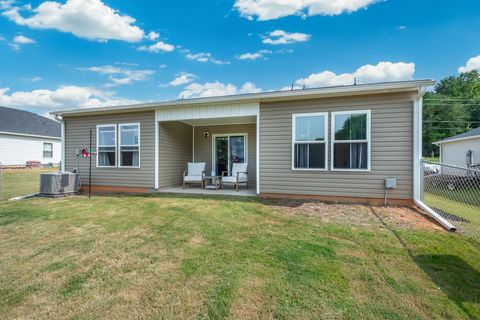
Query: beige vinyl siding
x,y
203,146
77,131
175,151
391,149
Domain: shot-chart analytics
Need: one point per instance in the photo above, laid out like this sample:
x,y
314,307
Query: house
x,y
332,143
462,150
26,136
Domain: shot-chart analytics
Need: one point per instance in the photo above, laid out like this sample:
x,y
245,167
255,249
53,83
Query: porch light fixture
x,y
206,134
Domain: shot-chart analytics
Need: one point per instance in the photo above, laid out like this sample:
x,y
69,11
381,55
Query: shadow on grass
x,y
453,275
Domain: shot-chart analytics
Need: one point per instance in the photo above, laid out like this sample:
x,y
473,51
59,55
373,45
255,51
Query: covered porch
x,y
218,136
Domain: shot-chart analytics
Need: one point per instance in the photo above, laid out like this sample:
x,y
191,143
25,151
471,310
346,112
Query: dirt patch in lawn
x,y
357,214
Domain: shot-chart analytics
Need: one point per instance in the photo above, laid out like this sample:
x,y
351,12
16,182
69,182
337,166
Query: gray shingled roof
x,y
469,134
24,122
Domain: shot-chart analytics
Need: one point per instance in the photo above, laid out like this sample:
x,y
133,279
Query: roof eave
x,y
454,140
364,89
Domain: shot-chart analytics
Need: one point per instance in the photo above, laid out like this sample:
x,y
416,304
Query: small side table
x,y
215,182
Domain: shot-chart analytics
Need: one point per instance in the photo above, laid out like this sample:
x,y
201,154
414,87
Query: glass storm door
x,y
229,150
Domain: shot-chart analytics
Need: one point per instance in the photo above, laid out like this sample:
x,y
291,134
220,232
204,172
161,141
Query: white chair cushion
x,y
193,178
234,179
196,168
239,167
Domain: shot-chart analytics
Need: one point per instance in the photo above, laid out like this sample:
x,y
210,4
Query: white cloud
x,y
204,57
181,79
157,47
23,40
153,35
61,98
254,56
90,19
212,89
274,9
35,79
383,71
472,64
6,4
121,76
278,37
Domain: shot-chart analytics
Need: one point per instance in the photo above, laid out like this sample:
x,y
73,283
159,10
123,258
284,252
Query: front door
x,y
228,149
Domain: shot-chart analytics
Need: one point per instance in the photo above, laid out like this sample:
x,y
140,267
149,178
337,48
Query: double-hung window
x,y
107,145
48,150
351,140
129,145
309,141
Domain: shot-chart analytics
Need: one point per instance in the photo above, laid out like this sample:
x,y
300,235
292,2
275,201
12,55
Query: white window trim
x,y
368,140
119,151
214,149
43,149
300,115
115,145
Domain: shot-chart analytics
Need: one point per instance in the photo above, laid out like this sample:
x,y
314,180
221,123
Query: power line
x,y
454,121
451,99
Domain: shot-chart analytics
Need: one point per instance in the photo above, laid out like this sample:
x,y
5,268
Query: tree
x,y
453,108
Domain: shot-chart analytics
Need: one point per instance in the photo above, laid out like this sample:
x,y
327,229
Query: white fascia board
x,y
29,135
458,139
272,96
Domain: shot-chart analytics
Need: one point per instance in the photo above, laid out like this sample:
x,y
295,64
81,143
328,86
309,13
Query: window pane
x,y
310,156
106,159
310,128
106,136
129,135
317,156
301,156
351,127
350,155
47,146
129,158
237,149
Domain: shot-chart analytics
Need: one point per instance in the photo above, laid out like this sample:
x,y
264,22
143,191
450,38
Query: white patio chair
x,y
239,175
195,174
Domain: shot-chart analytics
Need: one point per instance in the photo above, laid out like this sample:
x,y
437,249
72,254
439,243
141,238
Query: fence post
x,y
1,182
422,180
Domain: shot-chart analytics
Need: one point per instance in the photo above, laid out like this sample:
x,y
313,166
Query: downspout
x,y
417,157
60,119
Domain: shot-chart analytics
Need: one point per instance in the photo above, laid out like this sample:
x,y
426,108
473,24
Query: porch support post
x,y
156,157
258,150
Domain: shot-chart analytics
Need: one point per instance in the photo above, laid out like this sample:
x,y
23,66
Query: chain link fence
x,y
16,181
454,193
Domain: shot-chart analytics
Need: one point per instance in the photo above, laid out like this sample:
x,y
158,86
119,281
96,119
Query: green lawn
x,y
461,209
20,182
178,257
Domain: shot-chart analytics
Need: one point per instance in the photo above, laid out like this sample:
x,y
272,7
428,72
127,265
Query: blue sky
x,y
89,53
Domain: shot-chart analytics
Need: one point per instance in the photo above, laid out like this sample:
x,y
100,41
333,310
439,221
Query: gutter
x,y
60,119
442,221
262,97
29,135
417,155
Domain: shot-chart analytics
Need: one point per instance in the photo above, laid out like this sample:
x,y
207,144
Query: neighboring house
x,y
462,150
26,136
335,143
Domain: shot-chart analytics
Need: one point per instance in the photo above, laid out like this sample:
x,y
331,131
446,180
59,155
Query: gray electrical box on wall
x,y
390,183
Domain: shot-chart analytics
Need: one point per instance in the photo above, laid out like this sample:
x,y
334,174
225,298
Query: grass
x,y
166,257
464,210
20,182
431,159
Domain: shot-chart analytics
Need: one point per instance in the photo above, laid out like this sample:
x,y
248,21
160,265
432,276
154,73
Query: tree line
x,y
452,108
